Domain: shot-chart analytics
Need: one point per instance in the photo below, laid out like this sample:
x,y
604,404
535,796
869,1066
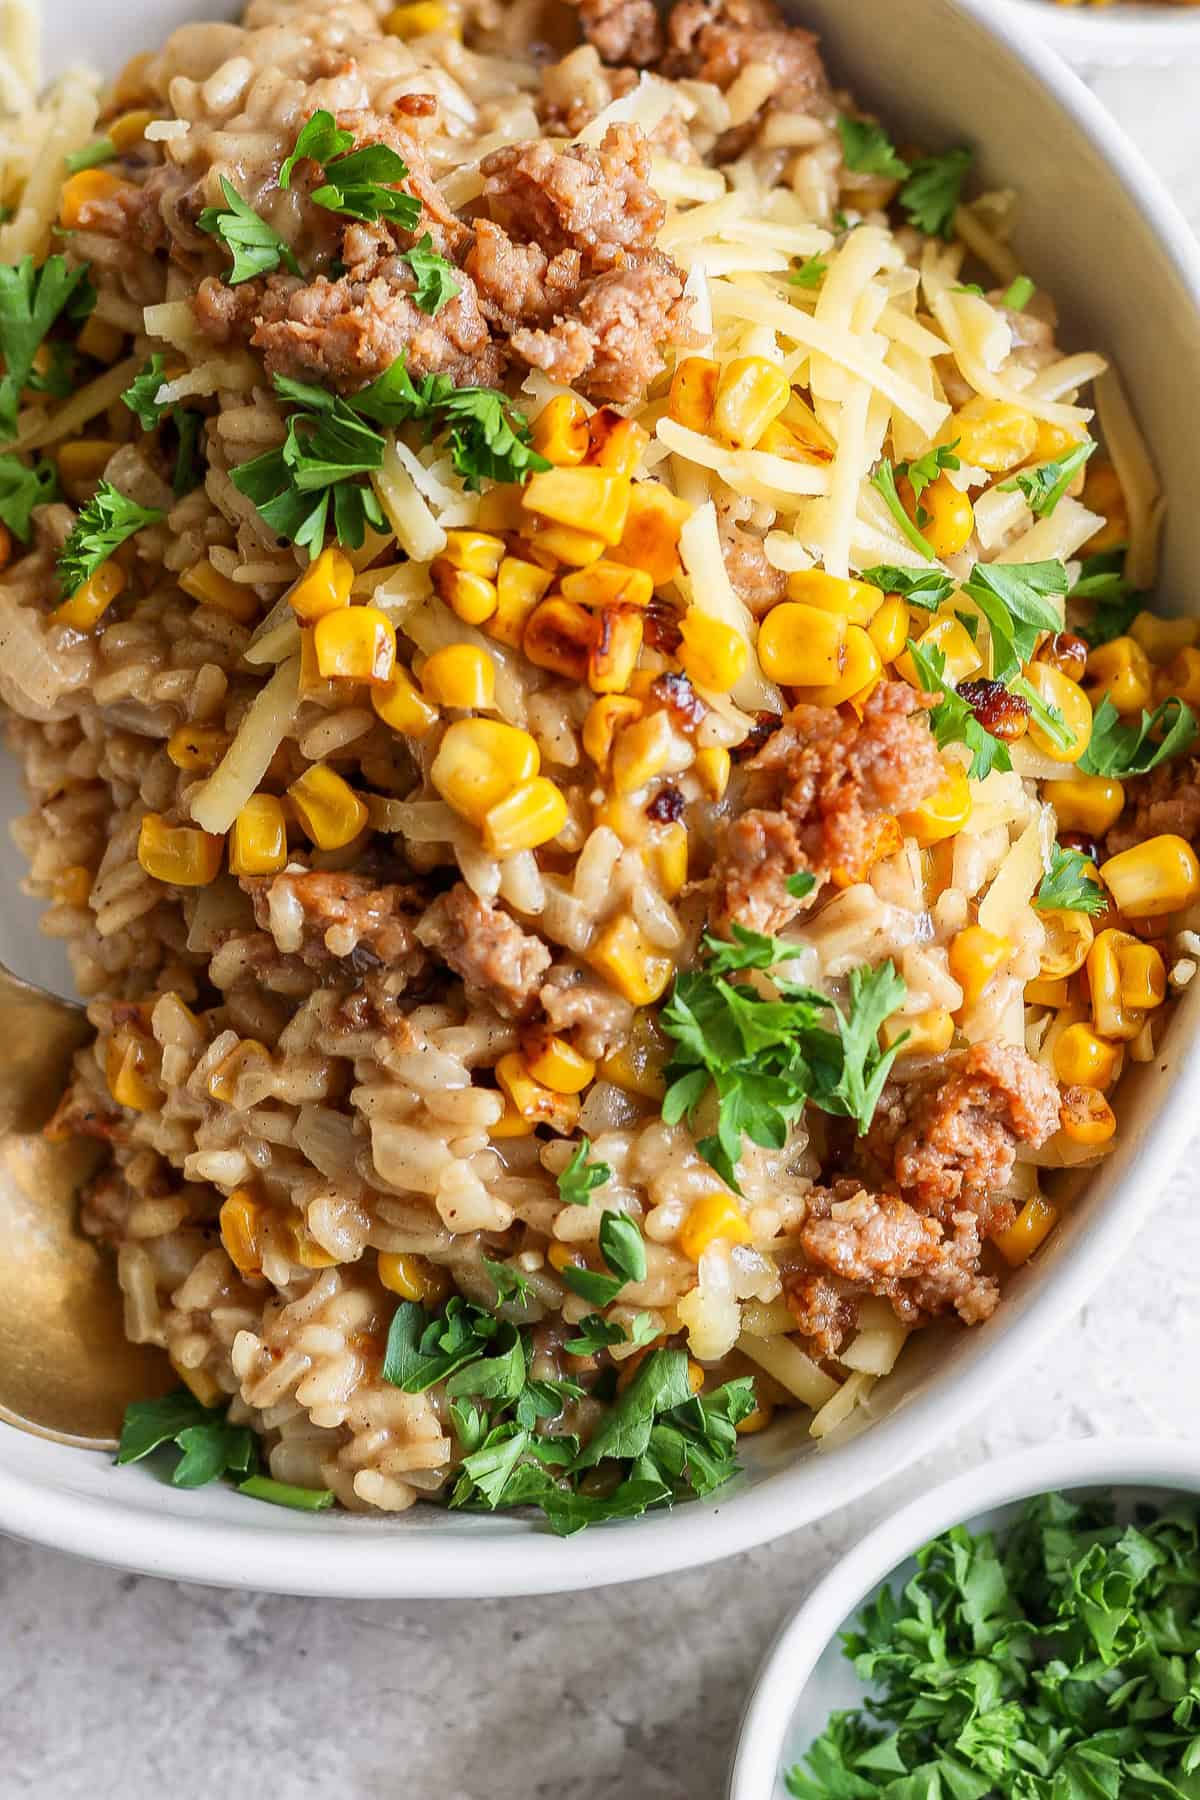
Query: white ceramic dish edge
x,y
800,1642
1113,37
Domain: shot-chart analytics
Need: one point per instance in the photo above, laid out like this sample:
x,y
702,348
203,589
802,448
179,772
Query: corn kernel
x,y
73,885
413,1277
125,1073
81,192
712,767
712,1216
1043,992
974,956
1153,878
951,637
1103,494
561,1256
590,500
1143,976
1086,803
258,840
638,1065
941,814
128,131
888,630
1031,1227
418,18
1162,639
472,598
615,442
624,817
1086,1117
531,815
1082,1059
200,1383
1058,690
400,705
801,645
855,601
693,392
943,514
626,958
82,462
223,1080
327,807
356,643
100,339
607,583
510,1124
479,762
861,669
519,587
1110,1014
559,636
241,1221
605,718
500,509
650,540
993,434
1180,678
928,1033
751,394
669,858
558,1065
755,1421
177,854
1069,938
1120,669
560,431
642,751
88,604
553,544
304,1249
461,675
324,587
537,1104
614,653
475,552
210,588
197,748
714,655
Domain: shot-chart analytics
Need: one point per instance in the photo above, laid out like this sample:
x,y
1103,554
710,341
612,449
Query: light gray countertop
x,y
117,1685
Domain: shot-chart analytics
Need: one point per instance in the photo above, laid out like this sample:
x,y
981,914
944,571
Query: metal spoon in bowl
x,y
66,1369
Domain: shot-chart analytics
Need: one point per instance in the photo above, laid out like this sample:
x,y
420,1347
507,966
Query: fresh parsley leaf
x,y
1115,603
424,1348
437,281
210,1445
1047,715
507,1279
1013,598
141,396
884,479
31,301
187,474
22,487
1017,296
970,287
286,1493
498,1377
592,1285
580,1179
867,149
810,274
1069,884
320,139
931,194
596,1333
1045,485
103,525
924,470
89,156
489,438
658,1385
360,184
1120,749
255,246
801,884
952,720
622,1246
696,1442
926,588
295,488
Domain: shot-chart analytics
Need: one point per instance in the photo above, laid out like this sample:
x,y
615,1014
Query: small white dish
x,y
1113,37
805,1675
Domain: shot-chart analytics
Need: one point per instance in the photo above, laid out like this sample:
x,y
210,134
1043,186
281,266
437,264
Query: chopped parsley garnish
x,y
952,721
597,1333
187,474
210,1447
801,884
256,246
926,588
924,470
31,302
884,479
1047,715
489,439
624,1251
103,525
1013,599
1069,884
932,185
766,1058
1120,749
437,281
970,287
357,182
868,150
286,1493
1045,486
1056,1660
581,1178
1019,294
810,274
1115,603
311,480
89,156
22,487
141,394
508,1281
320,140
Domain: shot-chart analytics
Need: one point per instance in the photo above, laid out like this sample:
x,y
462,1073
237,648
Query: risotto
x,y
582,661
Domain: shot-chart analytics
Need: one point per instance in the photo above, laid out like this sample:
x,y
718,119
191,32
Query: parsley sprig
x,y
358,183
1114,601
1069,884
1045,485
22,487
1014,598
436,279
1120,749
103,525
926,588
254,244
210,1448
141,397
932,186
952,720
580,1179
919,474
624,1252
31,303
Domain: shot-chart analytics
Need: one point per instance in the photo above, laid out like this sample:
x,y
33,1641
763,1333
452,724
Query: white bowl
x,y
1113,37
1092,207
805,1676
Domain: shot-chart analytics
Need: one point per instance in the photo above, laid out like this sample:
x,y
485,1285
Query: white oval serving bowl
x,y
805,1676
1113,37
981,77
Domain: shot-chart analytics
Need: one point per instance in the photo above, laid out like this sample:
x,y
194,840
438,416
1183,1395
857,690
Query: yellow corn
x,y
712,769
561,1257
177,854
1143,976
993,434
258,840
1083,1059
88,604
638,1065
418,18
241,1221
100,339
714,655
615,649
1180,677
1111,1015
479,762
197,748
606,716
945,811
531,815
510,1124
1120,669
519,587
304,1248
1086,1117
461,675
669,857
650,540
324,587
642,751
626,958
560,431
125,1073
607,583
472,597
559,635
500,509
889,629
694,392
1058,690
1031,1227
1102,493
755,1421
127,132
356,643
475,552
73,885
82,462
1153,878
615,442
712,1216
553,544
1069,938
558,1065
802,645
951,637
1086,803
927,1033
327,807
223,1081
974,956
400,705
210,588
1162,639
751,394
861,669
1042,992
537,1104
590,500
624,817
949,515
82,191
855,601
413,1277
204,1386
695,1376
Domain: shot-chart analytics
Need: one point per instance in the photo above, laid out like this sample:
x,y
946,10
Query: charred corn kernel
x,y
669,858
951,637
928,1033
418,19
605,718
947,513
1082,1059
73,885
561,1256
1088,803
751,394
127,131
560,431
539,1104
258,840
1069,938
413,1277
974,956
531,815
88,604
304,1248
1110,1015
558,1065
200,1384
615,442
1031,1227
607,583
249,1054
328,808
627,958
500,509
755,1421
472,597
855,601
209,587
712,768
125,1072
241,1220
197,748
638,1065
642,751
324,587
650,540
178,854
475,552
1180,678
1162,639
479,762
461,675
1053,441
554,544
993,434
802,645
943,813
1086,1117
1043,992
1143,976
357,643
1057,690
616,647
1102,493
694,392
100,339
82,461
714,655
402,706
712,1216
1153,878
888,630
79,192
861,669
560,635
1120,669
519,587
590,500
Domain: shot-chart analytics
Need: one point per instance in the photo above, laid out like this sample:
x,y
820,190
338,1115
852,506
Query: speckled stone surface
x,y
113,1685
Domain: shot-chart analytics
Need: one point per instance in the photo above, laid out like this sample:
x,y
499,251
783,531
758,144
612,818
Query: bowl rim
x,y
799,1643
1113,37
337,1556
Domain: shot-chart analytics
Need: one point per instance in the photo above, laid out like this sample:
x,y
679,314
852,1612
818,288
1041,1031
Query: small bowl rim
x,y
804,1635
1113,37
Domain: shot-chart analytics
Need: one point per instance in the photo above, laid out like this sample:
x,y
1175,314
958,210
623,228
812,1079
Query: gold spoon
x,y
66,1369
